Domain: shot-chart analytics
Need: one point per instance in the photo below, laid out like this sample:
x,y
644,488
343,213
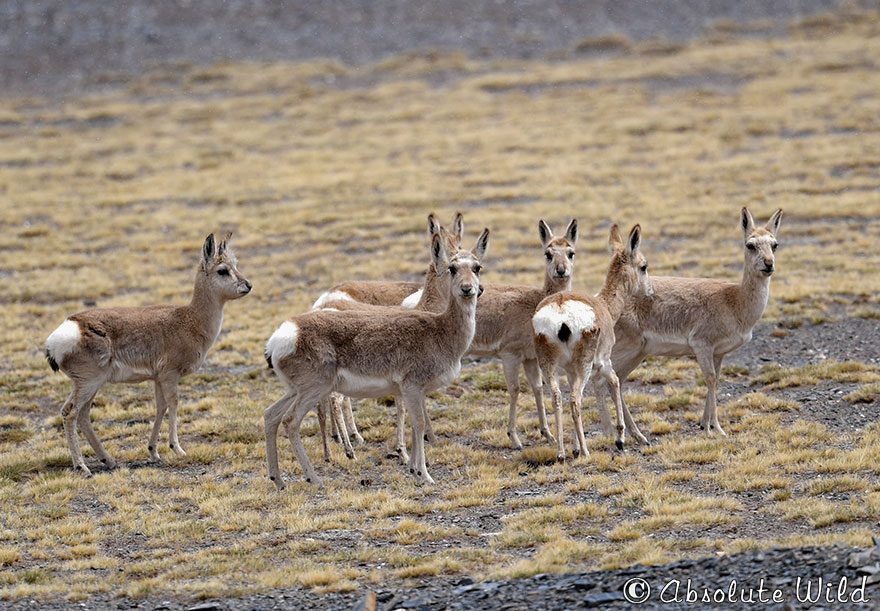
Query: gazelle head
x,y
629,263
558,252
760,242
220,267
464,266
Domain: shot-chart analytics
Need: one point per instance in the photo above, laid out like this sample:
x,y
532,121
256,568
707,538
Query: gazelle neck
x,y
613,292
206,307
754,294
555,285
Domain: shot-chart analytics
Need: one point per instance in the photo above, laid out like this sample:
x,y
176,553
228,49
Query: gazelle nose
x,y
560,270
467,290
248,285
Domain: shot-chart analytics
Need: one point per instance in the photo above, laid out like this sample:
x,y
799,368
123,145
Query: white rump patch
x,y
282,342
63,340
331,296
576,314
413,300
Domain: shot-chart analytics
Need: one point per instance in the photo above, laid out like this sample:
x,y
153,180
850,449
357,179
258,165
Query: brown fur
x,y
414,351
435,294
504,328
159,343
590,346
703,317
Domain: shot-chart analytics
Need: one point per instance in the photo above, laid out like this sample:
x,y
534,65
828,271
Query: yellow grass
x,y
108,197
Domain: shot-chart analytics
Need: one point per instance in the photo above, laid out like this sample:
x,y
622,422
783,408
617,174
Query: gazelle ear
x,y
458,227
773,224
545,233
634,241
222,247
482,245
571,234
208,250
748,223
438,253
614,239
433,225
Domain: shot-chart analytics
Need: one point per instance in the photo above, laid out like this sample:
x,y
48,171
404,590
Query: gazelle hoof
x,y
358,440
560,458
619,444
350,454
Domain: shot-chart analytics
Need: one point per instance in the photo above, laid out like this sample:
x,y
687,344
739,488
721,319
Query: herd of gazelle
x,y
402,339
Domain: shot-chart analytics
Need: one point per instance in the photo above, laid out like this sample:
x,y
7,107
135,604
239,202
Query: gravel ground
x,y
834,577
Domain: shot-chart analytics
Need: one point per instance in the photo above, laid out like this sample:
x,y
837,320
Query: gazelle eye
x,y
644,268
774,246
223,271
571,255
750,246
477,268
548,255
452,269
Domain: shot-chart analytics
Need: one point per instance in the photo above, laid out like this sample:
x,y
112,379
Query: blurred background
x,y
45,43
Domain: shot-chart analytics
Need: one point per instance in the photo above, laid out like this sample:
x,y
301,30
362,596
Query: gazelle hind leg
x,y
85,425
577,380
81,396
271,421
291,421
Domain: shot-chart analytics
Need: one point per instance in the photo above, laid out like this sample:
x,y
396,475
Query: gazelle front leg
x,y
153,446
414,399
510,364
605,371
706,360
399,448
337,410
350,424
168,387
533,375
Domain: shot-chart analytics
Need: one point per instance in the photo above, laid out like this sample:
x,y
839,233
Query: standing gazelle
x,y
703,317
371,354
431,297
504,323
159,343
576,332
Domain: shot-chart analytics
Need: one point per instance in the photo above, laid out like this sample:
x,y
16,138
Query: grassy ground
x,y
325,174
